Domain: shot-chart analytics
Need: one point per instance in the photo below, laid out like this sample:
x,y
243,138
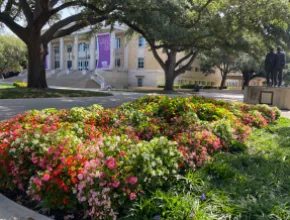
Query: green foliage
x,y
13,54
248,185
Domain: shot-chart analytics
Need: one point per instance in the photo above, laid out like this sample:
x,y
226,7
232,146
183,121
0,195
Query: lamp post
x,y
69,50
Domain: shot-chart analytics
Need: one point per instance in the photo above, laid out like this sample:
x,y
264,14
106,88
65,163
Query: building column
x,y
113,37
93,53
61,53
49,55
126,54
76,53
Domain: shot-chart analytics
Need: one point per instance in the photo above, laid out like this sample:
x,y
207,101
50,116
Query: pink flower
x,y
116,184
34,160
37,181
80,176
132,180
45,177
132,196
37,198
50,150
111,163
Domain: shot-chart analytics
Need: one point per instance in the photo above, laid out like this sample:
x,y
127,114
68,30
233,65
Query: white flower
x,y
37,136
35,142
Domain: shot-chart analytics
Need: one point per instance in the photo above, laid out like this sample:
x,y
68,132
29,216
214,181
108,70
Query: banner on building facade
x,y
104,51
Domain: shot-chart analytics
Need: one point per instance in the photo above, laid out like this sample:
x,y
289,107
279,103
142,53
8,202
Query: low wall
x,y
279,97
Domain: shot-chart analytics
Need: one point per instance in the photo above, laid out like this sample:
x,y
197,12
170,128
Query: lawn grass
x,y
6,86
21,93
250,185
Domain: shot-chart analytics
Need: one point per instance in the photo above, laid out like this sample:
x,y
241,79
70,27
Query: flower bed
x,y
101,160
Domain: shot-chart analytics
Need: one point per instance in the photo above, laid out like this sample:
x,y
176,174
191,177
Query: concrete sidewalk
x,y
10,210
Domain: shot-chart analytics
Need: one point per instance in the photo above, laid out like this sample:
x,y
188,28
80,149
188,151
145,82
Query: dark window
x,y
140,63
56,64
56,50
140,82
117,62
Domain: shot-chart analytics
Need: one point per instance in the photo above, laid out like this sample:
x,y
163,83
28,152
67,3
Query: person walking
x,y
270,67
281,64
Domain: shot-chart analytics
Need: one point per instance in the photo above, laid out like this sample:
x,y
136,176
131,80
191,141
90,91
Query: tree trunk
x,y
169,81
223,83
36,64
170,72
247,79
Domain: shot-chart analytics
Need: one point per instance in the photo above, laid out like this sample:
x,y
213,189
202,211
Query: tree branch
x,y
14,27
26,11
76,27
48,35
8,6
76,3
184,58
186,67
52,3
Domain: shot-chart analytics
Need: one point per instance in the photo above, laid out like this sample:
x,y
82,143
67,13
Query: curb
x,y
10,210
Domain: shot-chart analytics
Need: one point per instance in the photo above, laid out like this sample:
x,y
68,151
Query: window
x,y
56,64
87,47
83,47
117,62
56,50
97,63
142,42
117,43
140,63
140,82
80,47
196,69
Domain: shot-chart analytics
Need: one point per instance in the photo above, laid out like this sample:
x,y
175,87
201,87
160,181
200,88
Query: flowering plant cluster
x,y
100,159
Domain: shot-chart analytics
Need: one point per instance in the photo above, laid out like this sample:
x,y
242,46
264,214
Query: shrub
x,y
20,84
103,159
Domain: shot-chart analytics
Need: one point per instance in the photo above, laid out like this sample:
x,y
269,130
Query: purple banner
x,y
104,51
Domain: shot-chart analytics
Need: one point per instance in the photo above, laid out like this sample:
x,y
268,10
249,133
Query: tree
x,y
173,28
37,13
221,59
250,67
247,28
12,54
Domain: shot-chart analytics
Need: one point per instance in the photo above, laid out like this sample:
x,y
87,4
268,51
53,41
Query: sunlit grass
x,y
5,86
18,93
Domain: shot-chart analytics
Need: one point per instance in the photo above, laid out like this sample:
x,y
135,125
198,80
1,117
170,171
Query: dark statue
x,y
274,65
281,64
270,66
